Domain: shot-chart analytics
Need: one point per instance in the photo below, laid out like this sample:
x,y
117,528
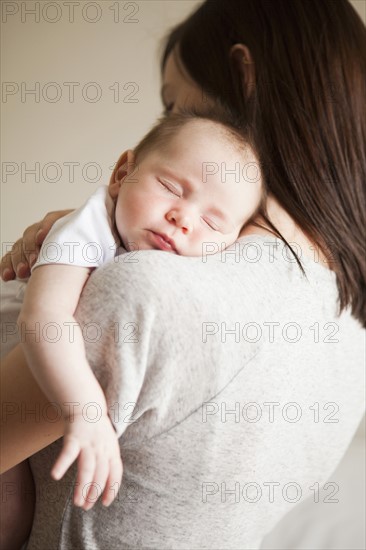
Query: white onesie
x,y
85,237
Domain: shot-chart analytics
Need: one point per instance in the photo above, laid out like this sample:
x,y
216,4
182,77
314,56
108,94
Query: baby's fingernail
x,y
32,259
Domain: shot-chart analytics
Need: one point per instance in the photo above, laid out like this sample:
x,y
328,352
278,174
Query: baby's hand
x,y
95,444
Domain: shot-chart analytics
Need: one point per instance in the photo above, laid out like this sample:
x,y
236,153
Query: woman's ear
x,y
242,60
124,166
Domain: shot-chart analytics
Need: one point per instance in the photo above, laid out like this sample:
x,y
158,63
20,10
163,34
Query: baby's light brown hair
x,y
168,127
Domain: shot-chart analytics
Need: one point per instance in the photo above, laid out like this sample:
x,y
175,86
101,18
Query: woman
x,y
309,127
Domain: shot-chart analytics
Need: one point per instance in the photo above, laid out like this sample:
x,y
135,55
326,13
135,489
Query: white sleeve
x,y
84,238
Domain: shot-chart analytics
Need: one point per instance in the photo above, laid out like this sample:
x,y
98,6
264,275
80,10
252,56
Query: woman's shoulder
x,y
256,259
255,272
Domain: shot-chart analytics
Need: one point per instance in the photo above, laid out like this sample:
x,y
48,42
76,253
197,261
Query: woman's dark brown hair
x,y
306,110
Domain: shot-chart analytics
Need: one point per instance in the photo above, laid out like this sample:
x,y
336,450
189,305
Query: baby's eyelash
x,y
169,188
175,192
211,225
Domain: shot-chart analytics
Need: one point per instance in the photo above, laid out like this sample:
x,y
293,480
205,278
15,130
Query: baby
x,y
183,189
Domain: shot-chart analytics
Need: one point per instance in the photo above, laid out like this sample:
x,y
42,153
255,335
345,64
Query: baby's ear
x,y
124,166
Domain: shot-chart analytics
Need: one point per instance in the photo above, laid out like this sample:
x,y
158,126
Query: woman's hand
x,y
19,260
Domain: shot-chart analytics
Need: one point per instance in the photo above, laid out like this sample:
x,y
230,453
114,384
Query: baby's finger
x,y
113,482
97,486
68,455
86,469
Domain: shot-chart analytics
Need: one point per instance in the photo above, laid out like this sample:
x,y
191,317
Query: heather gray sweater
x,y
235,390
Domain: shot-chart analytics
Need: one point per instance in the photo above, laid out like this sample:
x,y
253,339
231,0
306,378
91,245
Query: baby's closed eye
x,y
170,187
211,224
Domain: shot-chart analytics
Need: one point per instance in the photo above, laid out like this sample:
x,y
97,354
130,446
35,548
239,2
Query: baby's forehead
x,y
201,137
214,129
214,132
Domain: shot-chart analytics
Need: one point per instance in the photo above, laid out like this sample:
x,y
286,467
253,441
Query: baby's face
x,y
190,198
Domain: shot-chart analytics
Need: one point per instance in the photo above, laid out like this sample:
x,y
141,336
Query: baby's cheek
x,y
154,205
133,204
126,216
205,240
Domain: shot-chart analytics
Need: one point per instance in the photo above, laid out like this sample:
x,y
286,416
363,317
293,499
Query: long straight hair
x,y
306,111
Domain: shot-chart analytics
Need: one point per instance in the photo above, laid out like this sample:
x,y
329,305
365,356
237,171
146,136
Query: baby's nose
x,y
180,220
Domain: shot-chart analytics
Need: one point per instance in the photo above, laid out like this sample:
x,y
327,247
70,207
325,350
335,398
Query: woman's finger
x,y
30,248
24,253
45,225
16,261
35,234
7,272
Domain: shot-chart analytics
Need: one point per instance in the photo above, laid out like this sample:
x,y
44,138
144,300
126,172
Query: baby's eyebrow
x,y
169,173
219,213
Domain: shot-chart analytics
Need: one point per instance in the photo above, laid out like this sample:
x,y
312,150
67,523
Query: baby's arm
x,y
59,365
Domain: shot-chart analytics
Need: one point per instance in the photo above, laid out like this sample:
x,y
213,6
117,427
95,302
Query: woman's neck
x,y
288,229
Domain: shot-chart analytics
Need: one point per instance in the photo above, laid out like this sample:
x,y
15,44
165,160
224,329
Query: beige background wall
x,y
67,136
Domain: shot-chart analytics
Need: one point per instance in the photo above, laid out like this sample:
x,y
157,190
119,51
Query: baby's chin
x,y
135,246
